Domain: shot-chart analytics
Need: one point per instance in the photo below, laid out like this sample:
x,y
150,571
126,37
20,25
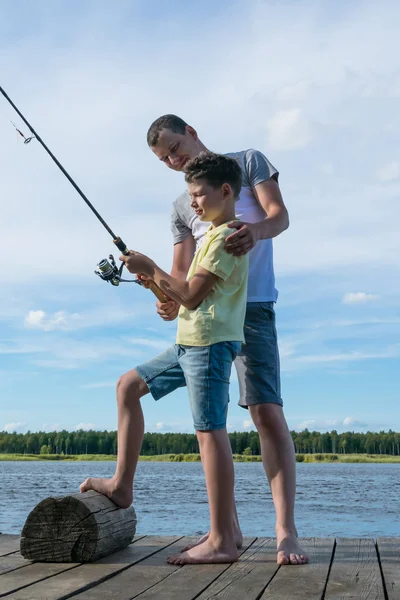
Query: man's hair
x,y
171,122
215,169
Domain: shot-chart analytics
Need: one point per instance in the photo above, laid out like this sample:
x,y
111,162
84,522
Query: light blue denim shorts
x,y
205,370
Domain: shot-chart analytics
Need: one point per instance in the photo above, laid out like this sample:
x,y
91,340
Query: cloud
x,y
15,427
160,344
353,422
389,172
59,320
330,424
52,427
160,426
100,384
359,298
84,426
247,423
288,130
391,352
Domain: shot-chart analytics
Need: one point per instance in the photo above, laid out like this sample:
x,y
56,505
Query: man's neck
x,y
202,148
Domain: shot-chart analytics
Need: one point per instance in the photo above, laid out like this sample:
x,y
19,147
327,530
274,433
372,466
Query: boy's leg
x,y
237,533
130,388
207,372
259,380
159,376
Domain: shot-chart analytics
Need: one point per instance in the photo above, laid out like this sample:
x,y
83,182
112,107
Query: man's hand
x,y
168,311
242,240
138,263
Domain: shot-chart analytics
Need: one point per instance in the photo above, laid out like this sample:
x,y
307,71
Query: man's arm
x,y
247,235
270,199
183,256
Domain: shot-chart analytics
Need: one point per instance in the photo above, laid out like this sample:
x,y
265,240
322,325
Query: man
x,y
263,216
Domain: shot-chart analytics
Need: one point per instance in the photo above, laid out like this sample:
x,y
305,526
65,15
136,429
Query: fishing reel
x,y
108,271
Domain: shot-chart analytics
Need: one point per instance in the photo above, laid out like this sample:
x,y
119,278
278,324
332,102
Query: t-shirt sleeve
x,y
180,230
217,260
259,168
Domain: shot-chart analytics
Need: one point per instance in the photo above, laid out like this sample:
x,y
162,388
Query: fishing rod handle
x,y
153,287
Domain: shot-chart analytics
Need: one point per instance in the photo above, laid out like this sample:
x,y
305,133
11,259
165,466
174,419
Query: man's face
x,y
175,150
207,202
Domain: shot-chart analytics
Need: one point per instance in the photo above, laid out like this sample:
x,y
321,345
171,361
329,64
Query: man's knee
x,y
267,417
130,386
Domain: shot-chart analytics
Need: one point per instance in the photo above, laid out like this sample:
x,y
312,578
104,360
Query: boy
x,y
209,337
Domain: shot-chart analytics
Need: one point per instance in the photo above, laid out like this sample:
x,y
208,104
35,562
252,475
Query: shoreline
x,y
304,458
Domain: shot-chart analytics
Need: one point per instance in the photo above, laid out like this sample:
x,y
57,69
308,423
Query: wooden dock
x,y
344,568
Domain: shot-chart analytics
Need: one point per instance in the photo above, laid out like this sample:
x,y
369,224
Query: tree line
x,y
243,442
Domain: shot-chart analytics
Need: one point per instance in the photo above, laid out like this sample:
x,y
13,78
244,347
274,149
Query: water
x,y
349,500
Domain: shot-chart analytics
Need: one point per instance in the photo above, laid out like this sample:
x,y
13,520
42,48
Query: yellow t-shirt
x,y
220,317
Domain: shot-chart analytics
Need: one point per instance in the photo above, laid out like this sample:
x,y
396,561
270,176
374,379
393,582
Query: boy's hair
x,y
215,169
171,122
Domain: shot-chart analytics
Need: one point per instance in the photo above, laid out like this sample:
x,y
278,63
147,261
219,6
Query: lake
x,y
348,500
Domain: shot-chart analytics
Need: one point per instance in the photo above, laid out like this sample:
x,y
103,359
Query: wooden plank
x,y
185,582
305,582
8,543
247,578
389,553
138,578
355,571
13,561
87,575
20,578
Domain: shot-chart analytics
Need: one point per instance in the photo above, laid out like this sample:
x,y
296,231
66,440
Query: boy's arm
x,y
187,293
183,256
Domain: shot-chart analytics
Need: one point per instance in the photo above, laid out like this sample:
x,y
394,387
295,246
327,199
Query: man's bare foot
x,y
289,550
121,496
206,553
237,536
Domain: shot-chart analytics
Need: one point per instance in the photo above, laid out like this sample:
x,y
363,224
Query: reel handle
x,y
153,287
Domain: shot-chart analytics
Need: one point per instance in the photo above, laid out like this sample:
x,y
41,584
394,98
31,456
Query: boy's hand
x,y
138,263
168,311
241,241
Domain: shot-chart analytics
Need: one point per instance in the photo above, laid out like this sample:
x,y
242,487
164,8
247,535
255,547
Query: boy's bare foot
x,y
237,536
206,553
121,496
289,550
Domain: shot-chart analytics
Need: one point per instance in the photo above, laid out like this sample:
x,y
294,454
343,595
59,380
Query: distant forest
x,y
244,442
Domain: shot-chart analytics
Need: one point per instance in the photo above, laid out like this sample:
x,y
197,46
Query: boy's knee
x,y
131,385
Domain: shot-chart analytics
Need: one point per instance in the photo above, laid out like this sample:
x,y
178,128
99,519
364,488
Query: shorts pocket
x,y
225,355
267,311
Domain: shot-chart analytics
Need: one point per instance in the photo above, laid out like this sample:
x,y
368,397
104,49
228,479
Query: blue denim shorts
x,y
205,370
257,364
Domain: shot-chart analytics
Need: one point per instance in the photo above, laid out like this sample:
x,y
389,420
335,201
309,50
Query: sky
x,y
315,85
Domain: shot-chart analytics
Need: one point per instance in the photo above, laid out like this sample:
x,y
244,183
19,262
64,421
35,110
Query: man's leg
x,y
258,371
130,388
279,462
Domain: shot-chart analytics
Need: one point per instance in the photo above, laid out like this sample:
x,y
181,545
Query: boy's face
x,y
209,203
175,149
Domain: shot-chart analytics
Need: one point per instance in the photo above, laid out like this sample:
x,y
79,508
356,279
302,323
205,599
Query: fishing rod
x,y
106,269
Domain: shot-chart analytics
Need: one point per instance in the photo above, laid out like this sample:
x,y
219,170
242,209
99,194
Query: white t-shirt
x,y
256,168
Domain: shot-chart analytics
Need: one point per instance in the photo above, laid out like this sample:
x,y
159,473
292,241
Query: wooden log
x,y
76,528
